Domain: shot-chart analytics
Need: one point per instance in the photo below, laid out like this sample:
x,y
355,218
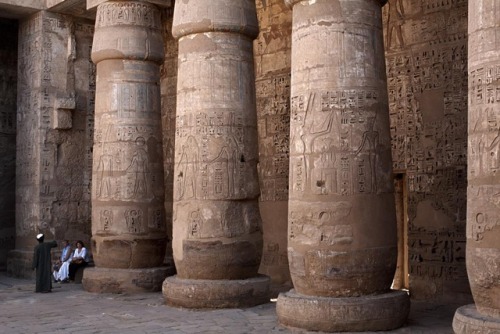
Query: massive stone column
x,y
341,218
128,215
483,207
217,238
55,111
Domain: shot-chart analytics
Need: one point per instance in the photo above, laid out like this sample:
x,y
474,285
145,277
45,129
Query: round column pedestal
x,y
108,280
468,320
345,314
215,294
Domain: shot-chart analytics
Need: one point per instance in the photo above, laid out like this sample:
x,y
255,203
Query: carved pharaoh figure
x,y
342,242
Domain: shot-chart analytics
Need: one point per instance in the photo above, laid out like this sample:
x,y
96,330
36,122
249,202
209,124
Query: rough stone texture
x,y
342,221
168,77
217,226
468,320
341,208
426,57
214,294
8,85
53,164
105,280
380,312
128,216
483,221
272,69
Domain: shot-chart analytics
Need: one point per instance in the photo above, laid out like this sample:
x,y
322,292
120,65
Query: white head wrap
x,y
39,236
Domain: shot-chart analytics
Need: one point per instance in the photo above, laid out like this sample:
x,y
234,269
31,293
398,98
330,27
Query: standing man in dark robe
x,y
42,263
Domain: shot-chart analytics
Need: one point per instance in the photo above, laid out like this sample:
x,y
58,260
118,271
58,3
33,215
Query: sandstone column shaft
x,y
128,223
216,225
483,223
341,215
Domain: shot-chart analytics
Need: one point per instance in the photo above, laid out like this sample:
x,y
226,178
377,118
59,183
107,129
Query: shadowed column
x,y
341,216
483,224
128,216
217,237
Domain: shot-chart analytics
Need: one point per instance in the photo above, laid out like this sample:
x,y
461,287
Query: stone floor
x,y
69,309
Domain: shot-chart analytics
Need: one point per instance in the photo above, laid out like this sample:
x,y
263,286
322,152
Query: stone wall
x,y
8,83
55,132
272,72
426,57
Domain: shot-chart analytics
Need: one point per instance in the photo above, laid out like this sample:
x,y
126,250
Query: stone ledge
x,y
348,314
216,294
107,280
468,320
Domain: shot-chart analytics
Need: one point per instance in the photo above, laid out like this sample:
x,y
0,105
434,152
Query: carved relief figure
x,y
368,146
139,169
134,221
188,167
105,174
395,22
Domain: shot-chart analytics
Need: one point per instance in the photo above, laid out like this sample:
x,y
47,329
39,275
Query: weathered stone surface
x,y
379,312
341,221
272,50
213,294
217,229
468,320
427,88
52,164
106,280
483,223
128,224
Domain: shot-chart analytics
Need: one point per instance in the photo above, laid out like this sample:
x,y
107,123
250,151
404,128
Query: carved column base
x,y
350,314
468,320
216,294
106,280
19,263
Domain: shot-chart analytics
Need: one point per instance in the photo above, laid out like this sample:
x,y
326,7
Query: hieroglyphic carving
x,y
129,13
426,61
437,254
202,171
134,220
334,160
273,106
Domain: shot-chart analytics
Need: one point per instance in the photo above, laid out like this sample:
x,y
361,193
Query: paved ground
x,y
69,309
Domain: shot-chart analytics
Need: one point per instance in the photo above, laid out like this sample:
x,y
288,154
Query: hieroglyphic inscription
x,y
426,58
129,13
273,108
437,254
328,158
203,172
321,226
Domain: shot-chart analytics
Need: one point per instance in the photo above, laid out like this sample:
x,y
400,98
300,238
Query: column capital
x,y
160,3
291,3
128,30
192,17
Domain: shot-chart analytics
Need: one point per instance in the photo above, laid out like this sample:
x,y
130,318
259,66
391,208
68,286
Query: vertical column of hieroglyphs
x,y
426,55
128,220
272,71
168,101
483,220
217,235
53,111
341,222
8,86
27,148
